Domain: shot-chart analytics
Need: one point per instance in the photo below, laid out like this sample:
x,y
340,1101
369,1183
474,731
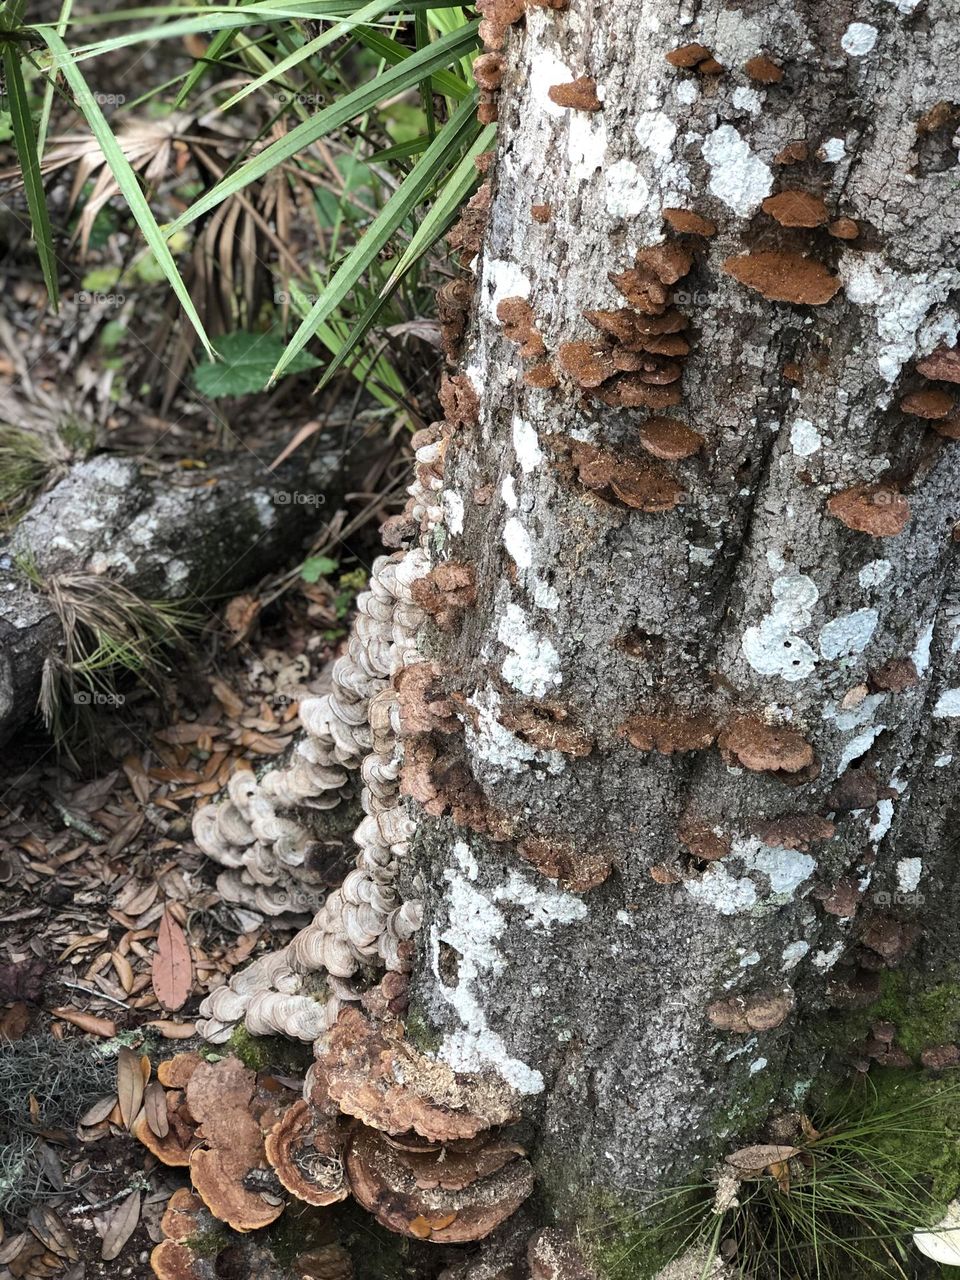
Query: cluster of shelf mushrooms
x,y
262,837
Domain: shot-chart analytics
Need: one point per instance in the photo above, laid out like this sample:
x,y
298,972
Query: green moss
x,y
268,1053
208,1244
923,1017
300,1228
420,1033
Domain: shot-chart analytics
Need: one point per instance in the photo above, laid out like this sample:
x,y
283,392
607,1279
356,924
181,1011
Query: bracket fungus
x,y
695,57
548,726
876,509
516,316
781,275
843,229
445,592
670,731
795,831
763,69
635,482
793,208
702,841
686,222
305,1150
668,439
928,402
942,365
562,860
451,1194
764,748
762,1011
579,94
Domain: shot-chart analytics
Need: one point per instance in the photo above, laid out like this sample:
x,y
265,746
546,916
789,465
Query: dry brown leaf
x,y
187,731
172,971
123,835
87,1022
231,702
172,1030
129,1085
124,971
47,1225
100,1110
240,616
14,1021
87,940
137,778
118,1226
155,1109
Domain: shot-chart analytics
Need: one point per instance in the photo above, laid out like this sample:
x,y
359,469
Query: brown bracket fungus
x,y
794,208
668,439
445,592
763,70
549,727
406,1192
373,1074
696,57
701,841
796,831
589,364
669,261
942,365
305,1150
760,1012
686,222
579,94
780,275
516,316
871,508
764,748
929,402
895,676
635,482
843,229
670,731
541,212
562,861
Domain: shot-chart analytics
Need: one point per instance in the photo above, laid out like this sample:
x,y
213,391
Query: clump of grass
x,y
844,1205
109,632
28,461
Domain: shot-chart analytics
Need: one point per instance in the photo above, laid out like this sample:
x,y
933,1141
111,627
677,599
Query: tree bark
x,y
166,536
653,1017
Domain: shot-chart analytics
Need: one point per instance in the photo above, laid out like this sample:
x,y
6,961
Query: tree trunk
x,y
728,679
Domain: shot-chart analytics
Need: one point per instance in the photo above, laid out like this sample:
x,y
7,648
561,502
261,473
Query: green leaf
x,y
123,174
316,567
413,190
25,141
219,44
369,13
247,361
445,82
50,87
397,80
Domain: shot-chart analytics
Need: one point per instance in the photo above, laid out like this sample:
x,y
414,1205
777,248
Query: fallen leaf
x,y
14,1021
87,1022
155,1109
240,616
172,1030
129,1086
48,1227
118,1226
100,1110
123,835
172,971
124,971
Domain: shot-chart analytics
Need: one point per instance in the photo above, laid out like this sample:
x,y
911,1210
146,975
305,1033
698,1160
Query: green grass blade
x,y
124,176
50,87
218,45
445,82
25,142
421,27
369,13
444,208
413,190
396,80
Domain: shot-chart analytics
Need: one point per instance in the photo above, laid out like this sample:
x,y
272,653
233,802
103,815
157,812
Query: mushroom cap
x,y
943,365
929,402
669,261
669,439
179,1219
374,1075
795,208
871,508
783,276
579,94
843,229
759,1012
949,428
688,55
304,1150
387,1182
215,1179
686,222
763,747
171,1260
763,69
175,1072
672,730
169,1150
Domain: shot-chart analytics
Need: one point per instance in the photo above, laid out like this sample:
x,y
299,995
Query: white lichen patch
x,y
881,824
824,960
909,871
586,143
757,1065
785,869
491,743
899,304
508,492
794,952
747,99
737,177
727,894
859,39
849,634
874,573
465,860
518,544
501,279
774,647
858,746
804,438
921,651
545,70
526,445
453,511
533,665
626,193
656,133
544,907
833,150
686,92
947,705
941,762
